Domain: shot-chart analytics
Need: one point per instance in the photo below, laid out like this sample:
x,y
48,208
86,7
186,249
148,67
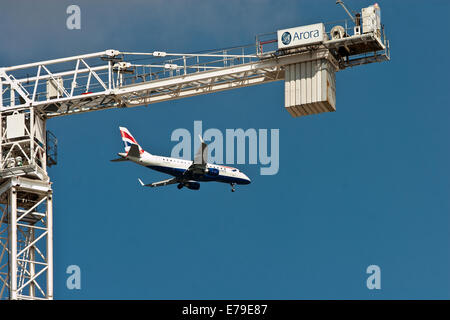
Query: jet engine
x,y
212,172
192,185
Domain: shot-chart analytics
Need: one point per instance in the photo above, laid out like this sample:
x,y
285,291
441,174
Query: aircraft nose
x,y
247,179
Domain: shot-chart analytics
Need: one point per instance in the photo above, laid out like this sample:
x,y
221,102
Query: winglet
x,y
201,139
140,181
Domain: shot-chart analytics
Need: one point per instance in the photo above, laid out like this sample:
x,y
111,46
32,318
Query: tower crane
x,y
305,57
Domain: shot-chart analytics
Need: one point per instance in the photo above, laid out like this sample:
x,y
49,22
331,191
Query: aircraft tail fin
x,y
129,142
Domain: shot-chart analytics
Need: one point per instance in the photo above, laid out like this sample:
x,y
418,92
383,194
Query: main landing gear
x,y
232,187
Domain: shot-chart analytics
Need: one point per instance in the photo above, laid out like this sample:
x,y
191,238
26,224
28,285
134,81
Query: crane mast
x,y
32,93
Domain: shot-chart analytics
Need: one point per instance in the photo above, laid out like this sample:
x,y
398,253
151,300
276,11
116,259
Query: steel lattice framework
x,y
112,79
26,239
34,92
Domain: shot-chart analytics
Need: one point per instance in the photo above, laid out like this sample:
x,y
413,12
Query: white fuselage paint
x,y
168,164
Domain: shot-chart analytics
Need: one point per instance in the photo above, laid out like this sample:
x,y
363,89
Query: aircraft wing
x,y
160,183
201,156
200,160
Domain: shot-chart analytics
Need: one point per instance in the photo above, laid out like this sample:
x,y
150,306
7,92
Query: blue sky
x,y
368,184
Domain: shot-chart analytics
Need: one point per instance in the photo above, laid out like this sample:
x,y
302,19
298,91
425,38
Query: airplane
x,y
186,173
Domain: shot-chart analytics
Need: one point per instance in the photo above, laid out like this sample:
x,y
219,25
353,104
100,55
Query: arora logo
x,y
286,38
306,35
299,36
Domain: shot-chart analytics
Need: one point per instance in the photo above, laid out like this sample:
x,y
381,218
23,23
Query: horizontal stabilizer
x,y
118,160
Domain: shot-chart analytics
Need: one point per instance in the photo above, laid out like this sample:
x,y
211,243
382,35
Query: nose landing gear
x,y
232,187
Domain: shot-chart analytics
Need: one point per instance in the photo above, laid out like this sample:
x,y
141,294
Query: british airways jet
x,y
185,173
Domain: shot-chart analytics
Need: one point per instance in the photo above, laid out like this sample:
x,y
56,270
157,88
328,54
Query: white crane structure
x,y
34,92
